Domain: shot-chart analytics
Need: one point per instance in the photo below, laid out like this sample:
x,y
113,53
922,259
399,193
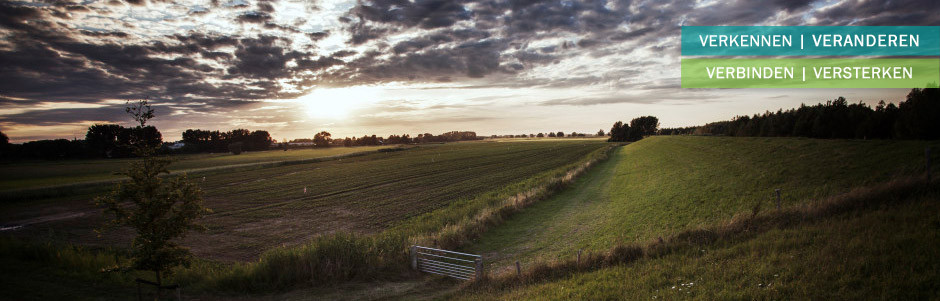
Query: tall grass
x,y
49,271
83,261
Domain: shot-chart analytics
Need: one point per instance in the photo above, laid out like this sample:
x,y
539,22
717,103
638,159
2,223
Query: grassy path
x,y
525,235
663,185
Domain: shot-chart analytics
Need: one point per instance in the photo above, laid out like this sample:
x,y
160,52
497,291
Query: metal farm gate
x,y
458,265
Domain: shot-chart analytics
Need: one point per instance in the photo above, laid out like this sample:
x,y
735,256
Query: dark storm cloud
x,y
80,8
599,25
903,12
266,7
46,61
472,59
343,53
318,35
484,42
55,116
471,51
254,17
116,34
210,42
362,34
15,17
422,13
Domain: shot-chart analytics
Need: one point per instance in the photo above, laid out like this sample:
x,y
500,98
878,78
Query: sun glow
x,y
336,103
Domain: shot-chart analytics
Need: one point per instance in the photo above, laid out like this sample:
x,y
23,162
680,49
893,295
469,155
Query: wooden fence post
x,y
579,258
414,257
479,262
778,197
518,269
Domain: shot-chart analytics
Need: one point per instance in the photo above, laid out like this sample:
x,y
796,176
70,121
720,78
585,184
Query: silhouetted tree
x,y
161,211
102,139
643,126
141,135
322,139
619,132
52,149
638,128
913,118
259,141
600,133
4,145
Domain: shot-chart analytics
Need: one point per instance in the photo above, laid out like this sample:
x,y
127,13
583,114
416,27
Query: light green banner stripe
x,y
811,73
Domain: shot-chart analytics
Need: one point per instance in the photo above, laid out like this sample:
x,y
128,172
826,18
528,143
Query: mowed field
x,y
661,187
257,209
16,176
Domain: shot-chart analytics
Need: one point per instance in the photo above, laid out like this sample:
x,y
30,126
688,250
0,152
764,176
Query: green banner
x,y
811,73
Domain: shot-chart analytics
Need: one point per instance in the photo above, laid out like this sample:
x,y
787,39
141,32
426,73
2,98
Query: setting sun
x,y
334,103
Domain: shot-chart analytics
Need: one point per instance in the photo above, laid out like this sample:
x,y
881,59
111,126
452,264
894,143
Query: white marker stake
x,y
305,189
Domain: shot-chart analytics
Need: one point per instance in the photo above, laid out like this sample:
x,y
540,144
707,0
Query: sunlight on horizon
x,y
336,103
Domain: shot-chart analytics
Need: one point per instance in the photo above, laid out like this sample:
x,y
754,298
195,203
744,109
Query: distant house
x,y
300,143
177,145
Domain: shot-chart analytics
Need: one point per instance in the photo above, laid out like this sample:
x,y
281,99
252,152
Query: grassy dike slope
x,y
663,185
883,252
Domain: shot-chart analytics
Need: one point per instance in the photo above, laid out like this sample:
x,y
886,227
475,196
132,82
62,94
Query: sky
x,y
295,68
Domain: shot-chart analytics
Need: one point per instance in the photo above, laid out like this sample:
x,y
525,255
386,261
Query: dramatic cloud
x,y
226,58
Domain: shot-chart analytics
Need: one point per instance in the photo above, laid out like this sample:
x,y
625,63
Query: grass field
x,y
41,173
258,209
886,253
360,212
660,185
663,186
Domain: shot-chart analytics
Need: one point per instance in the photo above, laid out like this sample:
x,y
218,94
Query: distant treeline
x,y
917,117
237,140
636,130
325,139
101,141
559,134
112,140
